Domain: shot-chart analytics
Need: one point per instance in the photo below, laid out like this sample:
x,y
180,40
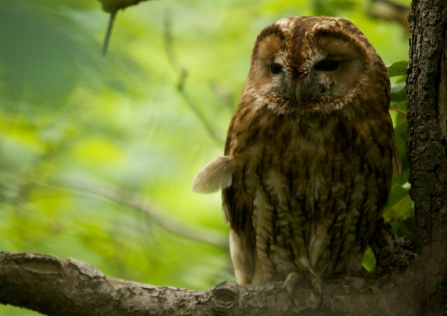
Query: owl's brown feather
x,y
312,152
214,176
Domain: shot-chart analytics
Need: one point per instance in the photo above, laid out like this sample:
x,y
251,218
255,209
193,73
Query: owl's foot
x,y
293,279
290,283
318,290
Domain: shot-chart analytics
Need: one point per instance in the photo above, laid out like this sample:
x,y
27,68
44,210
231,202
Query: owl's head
x,y
316,65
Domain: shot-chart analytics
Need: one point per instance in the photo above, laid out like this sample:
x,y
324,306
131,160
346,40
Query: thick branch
x,y
70,287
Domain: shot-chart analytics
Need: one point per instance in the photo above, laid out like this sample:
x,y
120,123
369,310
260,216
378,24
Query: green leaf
x,y
400,138
368,259
397,193
400,211
398,92
397,69
401,79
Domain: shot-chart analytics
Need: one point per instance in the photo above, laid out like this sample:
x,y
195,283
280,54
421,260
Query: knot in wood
x,y
224,298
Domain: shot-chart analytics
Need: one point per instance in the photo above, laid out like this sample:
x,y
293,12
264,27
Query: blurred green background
x,y
97,154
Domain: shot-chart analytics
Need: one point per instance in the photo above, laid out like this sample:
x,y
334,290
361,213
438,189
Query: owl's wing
x,y
214,176
238,210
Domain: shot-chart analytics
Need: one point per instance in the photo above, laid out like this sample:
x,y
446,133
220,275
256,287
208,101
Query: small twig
x,y
108,33
112,7
182,75
395,108
136,202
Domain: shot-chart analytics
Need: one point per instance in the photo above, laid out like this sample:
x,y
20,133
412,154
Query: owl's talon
x,y
318,291
293,279
290,283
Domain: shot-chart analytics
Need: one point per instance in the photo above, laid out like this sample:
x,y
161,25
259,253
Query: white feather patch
x,y
218,174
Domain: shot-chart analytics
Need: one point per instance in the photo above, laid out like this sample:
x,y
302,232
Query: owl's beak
x,y
299,91
303,91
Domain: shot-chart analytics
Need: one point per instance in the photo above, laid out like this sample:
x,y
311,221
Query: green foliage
x,y
71,121
397,69
400,210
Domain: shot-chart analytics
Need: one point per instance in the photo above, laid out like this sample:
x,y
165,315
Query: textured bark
x,y
427,103
69,287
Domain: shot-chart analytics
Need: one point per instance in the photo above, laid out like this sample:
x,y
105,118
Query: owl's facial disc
x,y
313,67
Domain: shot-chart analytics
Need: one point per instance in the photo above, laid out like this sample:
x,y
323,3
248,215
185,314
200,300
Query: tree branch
x,y
395,108
141,204
182,74
53,286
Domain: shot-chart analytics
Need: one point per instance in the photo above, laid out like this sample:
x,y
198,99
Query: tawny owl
x,y
309,153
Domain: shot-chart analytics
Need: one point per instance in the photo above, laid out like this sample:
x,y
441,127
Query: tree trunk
x,y
427,144
427,103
